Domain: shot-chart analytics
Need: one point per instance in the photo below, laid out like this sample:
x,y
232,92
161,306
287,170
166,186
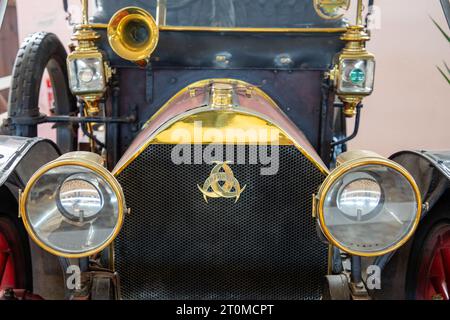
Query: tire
x,y
401,276
38,52
19,262
432,241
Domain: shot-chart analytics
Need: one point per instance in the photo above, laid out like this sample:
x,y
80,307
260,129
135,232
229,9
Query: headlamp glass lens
x,y
370,208
72,209
86,75
357,76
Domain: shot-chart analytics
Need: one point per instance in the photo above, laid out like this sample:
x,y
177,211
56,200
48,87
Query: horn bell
x,y
133,34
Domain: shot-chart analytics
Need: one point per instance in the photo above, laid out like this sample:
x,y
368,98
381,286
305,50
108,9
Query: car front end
x,y
222,174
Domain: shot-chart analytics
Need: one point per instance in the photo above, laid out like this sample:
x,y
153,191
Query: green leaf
x,y
447,77
442,30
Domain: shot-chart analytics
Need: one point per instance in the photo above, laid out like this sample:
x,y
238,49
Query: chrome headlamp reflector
x,y
369,206
358,195
73,207
79,197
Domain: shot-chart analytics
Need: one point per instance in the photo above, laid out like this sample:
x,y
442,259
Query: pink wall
x,y
410,106
43,15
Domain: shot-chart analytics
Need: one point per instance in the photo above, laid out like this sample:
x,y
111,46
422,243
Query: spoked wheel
x,y
434,273
13,269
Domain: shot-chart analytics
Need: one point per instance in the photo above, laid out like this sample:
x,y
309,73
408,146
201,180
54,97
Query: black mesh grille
x,y
174,245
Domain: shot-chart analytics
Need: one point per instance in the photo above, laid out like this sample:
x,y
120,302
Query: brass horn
x,y
133,34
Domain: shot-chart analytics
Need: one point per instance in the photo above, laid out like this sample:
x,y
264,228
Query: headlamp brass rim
x,y
96,168
338,173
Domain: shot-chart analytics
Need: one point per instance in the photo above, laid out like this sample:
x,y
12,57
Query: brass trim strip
x,y
255,30
341,170
82,163
222,29
98,25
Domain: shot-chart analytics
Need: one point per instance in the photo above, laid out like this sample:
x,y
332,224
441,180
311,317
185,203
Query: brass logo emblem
x,y
221,183
331,9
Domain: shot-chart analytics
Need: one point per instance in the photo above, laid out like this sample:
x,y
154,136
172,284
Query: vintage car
x,y
216,163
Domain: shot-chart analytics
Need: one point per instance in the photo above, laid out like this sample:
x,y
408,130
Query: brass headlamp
x,y
87,65
369,205
353,74
73,206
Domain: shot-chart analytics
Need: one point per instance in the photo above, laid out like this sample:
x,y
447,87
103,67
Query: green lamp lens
x,y
357,76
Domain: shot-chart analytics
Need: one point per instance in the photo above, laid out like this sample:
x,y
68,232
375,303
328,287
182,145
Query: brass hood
x,y
220,111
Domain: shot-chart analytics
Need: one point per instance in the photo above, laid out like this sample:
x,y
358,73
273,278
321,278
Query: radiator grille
x,y
174,245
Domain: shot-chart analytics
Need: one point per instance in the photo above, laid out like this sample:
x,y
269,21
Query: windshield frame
x,y
161,21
